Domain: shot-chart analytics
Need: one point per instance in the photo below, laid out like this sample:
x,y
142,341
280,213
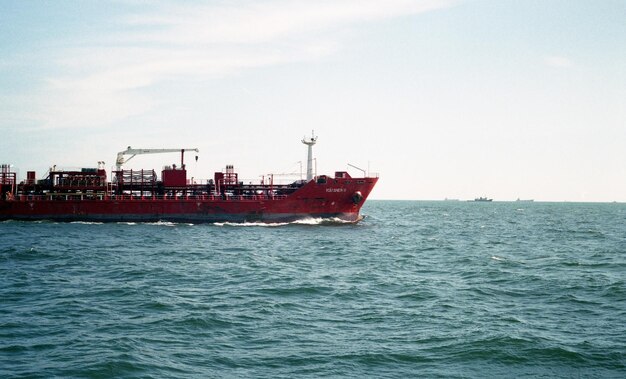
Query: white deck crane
x,y
132,152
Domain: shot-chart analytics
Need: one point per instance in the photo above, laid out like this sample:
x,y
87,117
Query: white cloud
x,y
255,22
558,61
103,83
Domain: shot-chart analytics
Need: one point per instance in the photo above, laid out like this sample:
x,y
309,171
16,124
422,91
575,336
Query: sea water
x,y
416,289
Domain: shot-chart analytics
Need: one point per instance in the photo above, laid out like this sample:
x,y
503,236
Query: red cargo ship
x,y
138,196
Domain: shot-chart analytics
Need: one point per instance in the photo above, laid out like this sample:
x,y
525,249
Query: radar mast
x,y
309,162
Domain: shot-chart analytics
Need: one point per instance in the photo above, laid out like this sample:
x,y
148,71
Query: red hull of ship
x,y
338,197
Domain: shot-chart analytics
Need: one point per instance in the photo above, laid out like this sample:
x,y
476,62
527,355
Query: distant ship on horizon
x,y
484,199
524,200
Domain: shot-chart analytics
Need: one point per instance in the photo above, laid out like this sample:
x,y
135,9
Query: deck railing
x,y
100,197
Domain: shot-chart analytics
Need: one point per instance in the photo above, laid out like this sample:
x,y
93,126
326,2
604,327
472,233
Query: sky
x,y
442,99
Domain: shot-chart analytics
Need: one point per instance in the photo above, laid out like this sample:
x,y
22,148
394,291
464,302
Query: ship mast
x,y
309,163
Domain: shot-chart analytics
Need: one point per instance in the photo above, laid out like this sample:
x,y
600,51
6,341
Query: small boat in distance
x,y
482,199
524,201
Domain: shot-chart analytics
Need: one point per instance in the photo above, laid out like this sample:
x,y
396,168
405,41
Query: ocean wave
x,y
249,224
322,221
168,223
305,221
153,223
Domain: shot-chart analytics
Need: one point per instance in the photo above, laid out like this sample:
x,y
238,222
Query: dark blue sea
x,y
417,289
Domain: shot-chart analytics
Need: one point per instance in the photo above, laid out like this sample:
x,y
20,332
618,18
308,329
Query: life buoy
x,y
357,197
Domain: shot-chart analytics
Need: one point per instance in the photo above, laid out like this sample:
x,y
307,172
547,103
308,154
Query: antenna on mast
x,y
309,163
